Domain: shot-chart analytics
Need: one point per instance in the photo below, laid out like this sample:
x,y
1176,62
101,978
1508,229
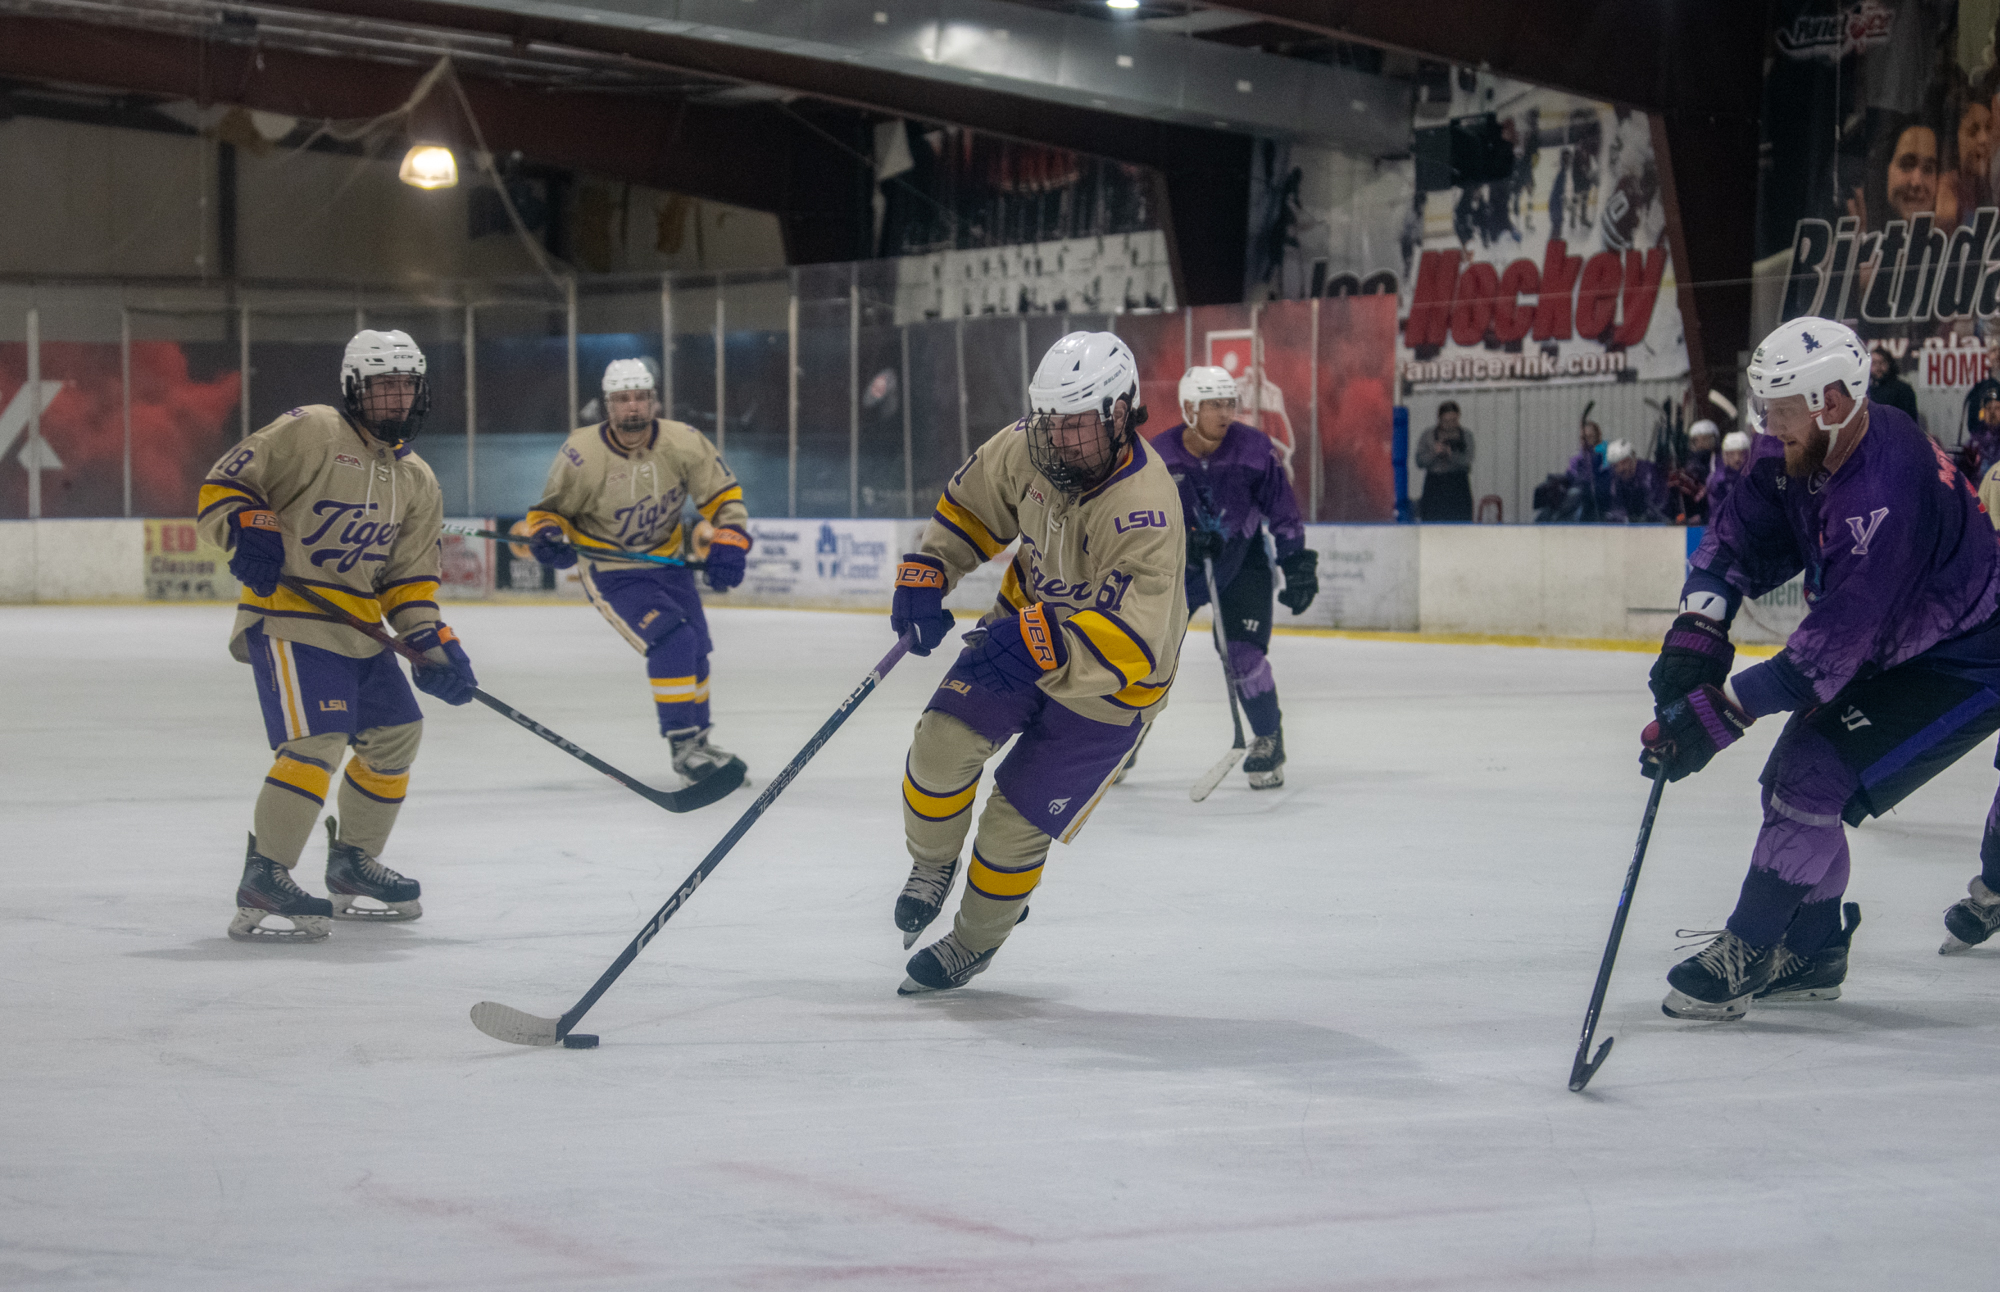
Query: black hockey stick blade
x,y
717,785
516,1027
1582,1068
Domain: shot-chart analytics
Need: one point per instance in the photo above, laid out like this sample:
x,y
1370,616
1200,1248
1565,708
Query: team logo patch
x,y
1864,531
953,684
616,476
296,412
1854,719
1058,806
346,460
646,620
1036,493
333,706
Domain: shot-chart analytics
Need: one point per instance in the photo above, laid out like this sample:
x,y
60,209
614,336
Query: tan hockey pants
x,y
371,789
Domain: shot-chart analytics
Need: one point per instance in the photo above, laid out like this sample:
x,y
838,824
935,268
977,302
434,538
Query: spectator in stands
x,y
1886,384
1735,455
1989,495
1444,452
1638,487
1975,399
1981,449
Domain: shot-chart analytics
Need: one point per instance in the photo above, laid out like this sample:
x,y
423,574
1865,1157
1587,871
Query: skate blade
x,y
516,1027
248,927
1679,1004
1800,996
910,937
1266,780
349,908
911,987
1953,946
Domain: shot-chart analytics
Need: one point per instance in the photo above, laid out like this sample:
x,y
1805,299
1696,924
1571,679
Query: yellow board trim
x,y
936,807
974,528
301,776
1635,645
1114,644
1003,883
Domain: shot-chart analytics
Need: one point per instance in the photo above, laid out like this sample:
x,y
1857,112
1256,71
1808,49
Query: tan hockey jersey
x,y
1108,567
606,499
361,524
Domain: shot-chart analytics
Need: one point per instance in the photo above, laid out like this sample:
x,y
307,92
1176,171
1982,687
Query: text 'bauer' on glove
x,y
449,675
1018,650
1690,731
1301,580
260,550
917,605
728,555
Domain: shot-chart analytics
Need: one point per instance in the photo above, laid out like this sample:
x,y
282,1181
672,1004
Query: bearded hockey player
x,y
334,498
1893,674
1233,486
1075,657
617,490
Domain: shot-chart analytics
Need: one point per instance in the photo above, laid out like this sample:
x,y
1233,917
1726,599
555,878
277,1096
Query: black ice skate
x,y
1972,920
1814,977
1265,763
353,877
944,964
267,889
1717,982
694,757
923,897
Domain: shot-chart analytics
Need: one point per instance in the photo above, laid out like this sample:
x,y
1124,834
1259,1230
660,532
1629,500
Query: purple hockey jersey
x,y
1242,484
1897,555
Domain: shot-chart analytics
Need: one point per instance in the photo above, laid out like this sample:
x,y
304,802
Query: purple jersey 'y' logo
x,y
1864,531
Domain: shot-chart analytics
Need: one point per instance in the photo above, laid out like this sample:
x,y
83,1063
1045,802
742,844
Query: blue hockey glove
x,y
1696,653
728,555
1017,651
917,605
260,550
551,548
1301,580
449,677
1690,731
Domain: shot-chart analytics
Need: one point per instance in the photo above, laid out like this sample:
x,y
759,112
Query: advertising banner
x,y
181,567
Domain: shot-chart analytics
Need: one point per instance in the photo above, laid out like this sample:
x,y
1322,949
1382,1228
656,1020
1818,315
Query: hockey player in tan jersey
x,y
335,499
1076,657
619,488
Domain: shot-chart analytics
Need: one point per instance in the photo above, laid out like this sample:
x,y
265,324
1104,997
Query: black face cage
x,y
1074,454
366,408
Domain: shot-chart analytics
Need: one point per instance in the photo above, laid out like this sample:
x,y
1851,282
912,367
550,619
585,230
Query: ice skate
x,y
1972,920
1815,977
943,965
694,757
362,888
267,889
1265,763
923,897
1717,982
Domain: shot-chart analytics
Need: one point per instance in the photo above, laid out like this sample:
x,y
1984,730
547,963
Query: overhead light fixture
x,y
1122,4
429,166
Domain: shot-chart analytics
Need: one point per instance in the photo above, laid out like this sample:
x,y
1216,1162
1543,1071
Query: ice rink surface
x,y
1312,1038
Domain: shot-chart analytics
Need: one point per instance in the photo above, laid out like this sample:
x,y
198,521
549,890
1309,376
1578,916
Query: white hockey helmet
x,y
1085,372
1736,442
628,374
1205,381
384,354
1803,357
1617,451
1704,427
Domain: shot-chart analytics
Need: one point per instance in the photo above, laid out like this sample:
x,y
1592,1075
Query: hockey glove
x,y
1690,731
260,550
449,675
1301,579
918,602
551,548
728,554
1697,653
1017,651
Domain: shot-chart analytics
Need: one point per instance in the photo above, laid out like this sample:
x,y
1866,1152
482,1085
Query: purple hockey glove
x,y
1017,651
1697,653
918,602
728,556
548,546
1690,731
260,550
450,678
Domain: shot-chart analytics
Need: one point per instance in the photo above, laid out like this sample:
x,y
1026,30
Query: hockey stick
x,y
703,792
1581,1071
467,531
504,1023
1213,777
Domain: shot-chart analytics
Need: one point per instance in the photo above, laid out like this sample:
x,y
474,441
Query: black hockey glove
x,y
1697,653
1301,580
1689,732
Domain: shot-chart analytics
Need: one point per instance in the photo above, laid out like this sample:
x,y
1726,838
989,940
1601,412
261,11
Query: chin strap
x,y
1833,432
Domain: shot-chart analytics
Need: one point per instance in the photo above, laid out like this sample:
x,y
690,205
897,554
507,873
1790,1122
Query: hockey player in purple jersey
x,y
1894,673
1233,486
